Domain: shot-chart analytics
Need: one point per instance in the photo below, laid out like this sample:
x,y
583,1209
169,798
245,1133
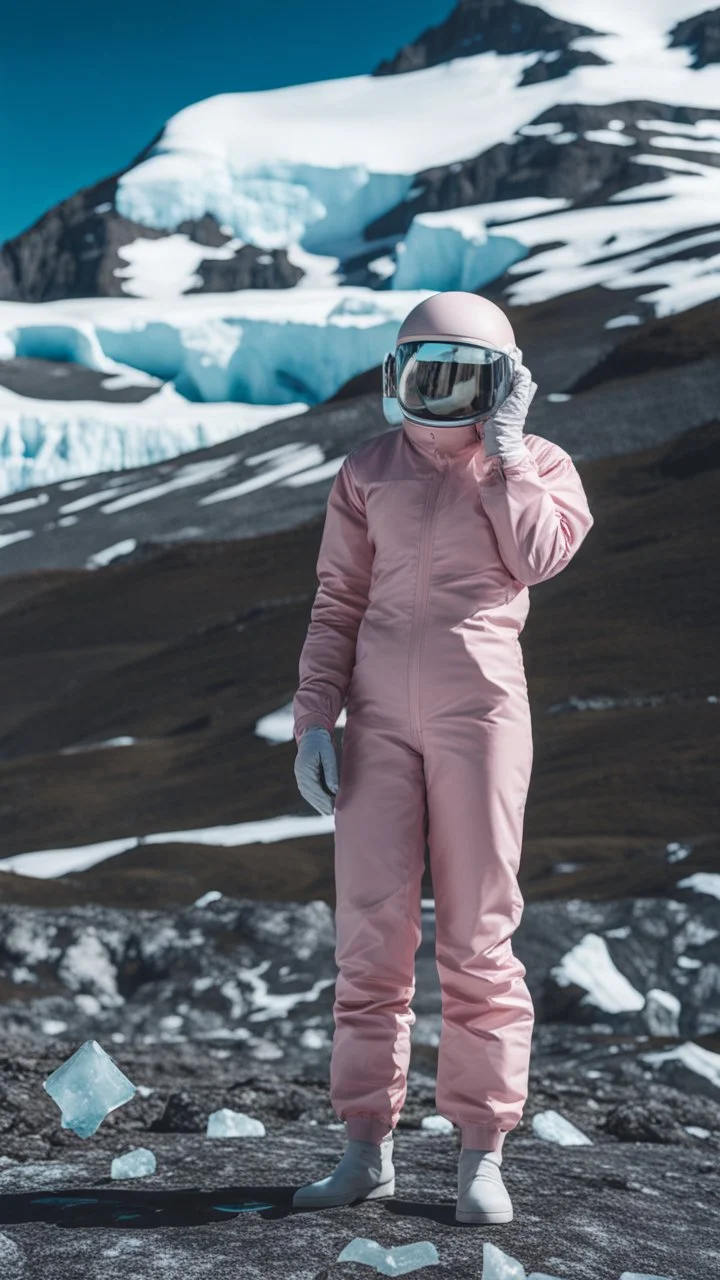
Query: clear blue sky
x,y
84,86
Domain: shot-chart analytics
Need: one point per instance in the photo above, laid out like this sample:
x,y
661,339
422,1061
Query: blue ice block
x,y
87,1088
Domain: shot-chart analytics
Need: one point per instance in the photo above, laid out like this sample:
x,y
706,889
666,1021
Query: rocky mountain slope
x,y
184,651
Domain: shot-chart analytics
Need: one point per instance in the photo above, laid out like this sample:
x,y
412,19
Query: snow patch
x,y
278,726
692,1056
7,539
589,965
167,267
24,504
118,549
702,882
47,864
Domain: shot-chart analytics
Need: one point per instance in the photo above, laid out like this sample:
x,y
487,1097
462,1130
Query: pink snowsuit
x,y
427,553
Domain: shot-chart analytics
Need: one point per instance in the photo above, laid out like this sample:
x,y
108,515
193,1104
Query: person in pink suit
x,y
435,530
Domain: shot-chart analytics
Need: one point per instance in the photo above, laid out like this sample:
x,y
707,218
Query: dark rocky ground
x,y
638,1199
644,1197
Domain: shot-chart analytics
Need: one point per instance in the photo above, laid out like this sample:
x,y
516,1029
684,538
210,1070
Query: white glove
x,y
504,429
316,769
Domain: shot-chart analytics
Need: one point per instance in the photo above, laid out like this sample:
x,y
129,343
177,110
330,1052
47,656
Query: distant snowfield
x,y
242,156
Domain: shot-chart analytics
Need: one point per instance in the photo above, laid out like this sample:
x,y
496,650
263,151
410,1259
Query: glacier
x,y
443,252
256,346
231,363
44,441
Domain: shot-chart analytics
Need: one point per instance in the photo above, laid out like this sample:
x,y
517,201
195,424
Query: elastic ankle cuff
x,y
367,1128
482,1137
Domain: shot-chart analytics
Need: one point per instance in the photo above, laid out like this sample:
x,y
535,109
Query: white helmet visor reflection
x,y
450,383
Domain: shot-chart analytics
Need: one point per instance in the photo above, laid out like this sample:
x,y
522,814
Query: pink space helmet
x,y
451,365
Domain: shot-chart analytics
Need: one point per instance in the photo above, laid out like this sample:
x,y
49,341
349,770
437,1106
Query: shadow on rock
x,y
90,1207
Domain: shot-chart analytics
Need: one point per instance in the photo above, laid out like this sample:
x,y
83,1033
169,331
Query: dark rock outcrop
x,y
191,974
72,251
182,1114
671,342
553,68
701,35
580,170
481,26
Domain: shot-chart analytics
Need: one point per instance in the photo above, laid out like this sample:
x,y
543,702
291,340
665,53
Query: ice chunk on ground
x,y
363,1250
500,1266
640,1275
87,1087
138,1163
391,1262
233,1124
436,1124
553,1127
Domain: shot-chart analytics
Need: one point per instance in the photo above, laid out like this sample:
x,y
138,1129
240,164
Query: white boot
x,y
482,1194
365,1172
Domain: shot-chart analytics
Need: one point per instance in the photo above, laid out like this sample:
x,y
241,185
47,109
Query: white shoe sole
x,y
382,1191
500,1215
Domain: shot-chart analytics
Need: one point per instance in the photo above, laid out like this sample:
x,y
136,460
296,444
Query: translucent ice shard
x,y
87,1088
500,1266
640,1275
542,1275
390,1262
408,1257
134,1164
362,1250
553,1127
233,1124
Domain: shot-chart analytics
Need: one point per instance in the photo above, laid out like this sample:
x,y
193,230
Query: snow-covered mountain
x,y
263,248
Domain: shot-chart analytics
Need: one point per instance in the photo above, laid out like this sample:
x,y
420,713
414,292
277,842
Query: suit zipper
x,y
421,599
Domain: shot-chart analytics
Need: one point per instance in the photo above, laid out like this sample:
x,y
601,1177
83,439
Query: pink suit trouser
x,y
462,786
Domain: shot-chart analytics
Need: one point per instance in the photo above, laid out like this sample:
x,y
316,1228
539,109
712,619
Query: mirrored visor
x,y
451,382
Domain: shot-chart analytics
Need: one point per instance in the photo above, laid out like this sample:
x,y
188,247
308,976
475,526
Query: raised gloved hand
x,y
316,762
504,430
